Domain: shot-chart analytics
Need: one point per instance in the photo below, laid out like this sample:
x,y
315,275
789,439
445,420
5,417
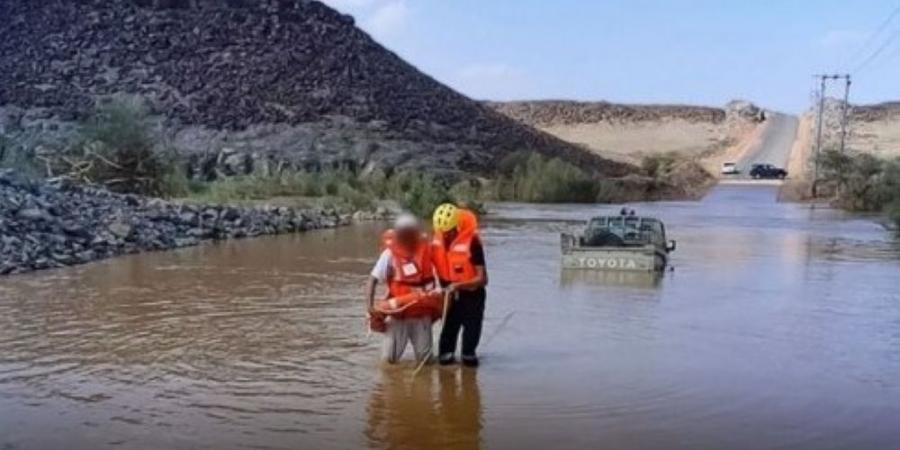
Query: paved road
x,y
774,145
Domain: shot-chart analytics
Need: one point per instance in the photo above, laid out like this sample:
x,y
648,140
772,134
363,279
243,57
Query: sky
x,y
644,51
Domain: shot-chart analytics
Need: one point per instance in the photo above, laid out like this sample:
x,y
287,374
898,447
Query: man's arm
x,y
479,281
371,286
379,273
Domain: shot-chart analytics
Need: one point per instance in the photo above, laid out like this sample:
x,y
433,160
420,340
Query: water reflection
x,y
638,280
440,408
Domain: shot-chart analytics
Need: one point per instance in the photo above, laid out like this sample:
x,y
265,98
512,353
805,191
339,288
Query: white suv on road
x,y
730,168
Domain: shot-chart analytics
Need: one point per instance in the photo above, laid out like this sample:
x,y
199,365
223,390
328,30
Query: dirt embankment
x,y
630,132
875,129
872,129
800,162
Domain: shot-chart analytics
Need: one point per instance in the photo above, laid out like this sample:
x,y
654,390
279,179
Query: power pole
x,y
821,113
819,125
846,106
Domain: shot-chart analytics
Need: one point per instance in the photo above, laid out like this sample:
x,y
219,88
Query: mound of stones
x,y
557,112
50,224
872,113
276,71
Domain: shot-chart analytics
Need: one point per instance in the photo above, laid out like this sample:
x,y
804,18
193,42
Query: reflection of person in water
x,y
459,409
418,413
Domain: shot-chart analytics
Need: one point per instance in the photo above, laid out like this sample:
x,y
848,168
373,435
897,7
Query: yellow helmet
x,y
445,217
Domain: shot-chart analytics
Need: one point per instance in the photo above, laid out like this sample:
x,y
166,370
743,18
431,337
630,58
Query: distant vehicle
x,y
619,243
730,168
767,171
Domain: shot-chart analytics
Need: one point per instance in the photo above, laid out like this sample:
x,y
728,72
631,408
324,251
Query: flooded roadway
x,y
778,328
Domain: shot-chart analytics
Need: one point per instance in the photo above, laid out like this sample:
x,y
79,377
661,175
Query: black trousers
x,y
466,313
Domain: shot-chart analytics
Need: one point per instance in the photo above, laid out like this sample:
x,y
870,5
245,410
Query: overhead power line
x,y
873,36
877,52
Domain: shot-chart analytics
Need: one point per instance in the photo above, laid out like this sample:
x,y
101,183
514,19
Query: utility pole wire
x,y
844,109
877,52
885,58
871,39
819,127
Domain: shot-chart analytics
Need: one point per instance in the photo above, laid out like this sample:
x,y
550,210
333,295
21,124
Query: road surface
x,y
774,146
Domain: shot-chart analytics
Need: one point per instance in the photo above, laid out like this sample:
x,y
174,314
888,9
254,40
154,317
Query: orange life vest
x,y
453,262
412,274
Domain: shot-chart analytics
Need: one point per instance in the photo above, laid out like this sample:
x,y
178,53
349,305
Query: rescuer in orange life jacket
x,y
458,258
412,302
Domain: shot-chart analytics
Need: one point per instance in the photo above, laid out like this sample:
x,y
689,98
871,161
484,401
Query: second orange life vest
x,y
453,261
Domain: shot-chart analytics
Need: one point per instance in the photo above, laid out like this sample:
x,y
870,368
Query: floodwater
x,y
778,328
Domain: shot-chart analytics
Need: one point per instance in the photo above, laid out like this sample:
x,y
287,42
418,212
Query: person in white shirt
x,y
404,265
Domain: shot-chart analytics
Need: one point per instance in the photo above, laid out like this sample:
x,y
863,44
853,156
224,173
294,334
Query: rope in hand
x,y
498,329
443,322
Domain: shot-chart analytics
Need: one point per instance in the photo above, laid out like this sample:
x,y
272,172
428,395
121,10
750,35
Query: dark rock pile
x,y
53,224
558,112
873,113
232,65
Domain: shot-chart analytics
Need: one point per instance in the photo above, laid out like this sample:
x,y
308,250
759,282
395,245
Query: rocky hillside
x,y
274,80
555,112
876,112
630,132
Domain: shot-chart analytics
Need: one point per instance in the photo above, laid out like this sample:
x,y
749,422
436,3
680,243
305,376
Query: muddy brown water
x,y
778,328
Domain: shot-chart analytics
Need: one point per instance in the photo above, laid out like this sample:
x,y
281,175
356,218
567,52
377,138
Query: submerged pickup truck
x,y
629,243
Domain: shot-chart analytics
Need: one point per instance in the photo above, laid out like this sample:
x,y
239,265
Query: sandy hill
x,y
270,79
875,129
629,132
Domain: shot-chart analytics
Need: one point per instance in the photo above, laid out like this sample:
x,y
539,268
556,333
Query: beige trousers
x,y
400,332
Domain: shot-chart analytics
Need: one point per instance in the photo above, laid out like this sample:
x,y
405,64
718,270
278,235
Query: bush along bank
x,y
862,182
51,224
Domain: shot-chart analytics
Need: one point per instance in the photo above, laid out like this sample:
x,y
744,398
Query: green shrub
x,y
540,180
420,194
118,148
513,161
176,183
861,182
893,211
377,182
533,179
469,194
341,187
890,182
610,191
661,166
355,199
253,187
